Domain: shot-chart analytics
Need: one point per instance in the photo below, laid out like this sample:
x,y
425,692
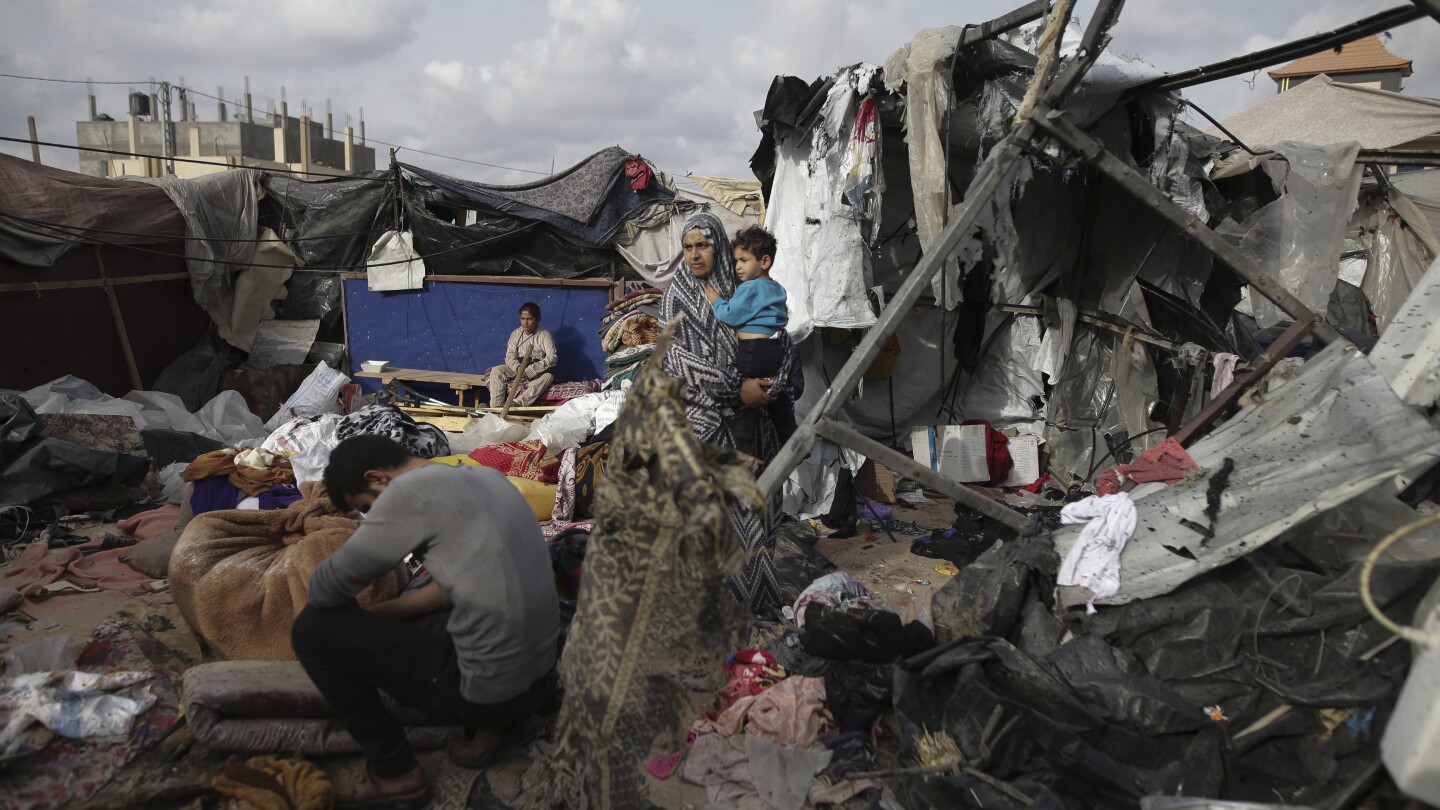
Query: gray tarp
x,y
130,214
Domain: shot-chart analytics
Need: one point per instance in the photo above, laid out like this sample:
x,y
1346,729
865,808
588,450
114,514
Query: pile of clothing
x,y
796,722
223,479
628,334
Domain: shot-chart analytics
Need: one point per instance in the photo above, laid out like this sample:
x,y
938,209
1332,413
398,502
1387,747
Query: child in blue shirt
x,y
757,312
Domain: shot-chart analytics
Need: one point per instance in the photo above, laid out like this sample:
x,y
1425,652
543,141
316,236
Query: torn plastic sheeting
x,y
1006,388
1101,403
810,489
215,206
333,218
923,67
495,244
986,597
822,259
1332,433
1297,238
1408,354
590,201
1401,246
913,392
651,246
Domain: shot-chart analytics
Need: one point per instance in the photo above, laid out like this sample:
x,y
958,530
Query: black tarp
x,y
588,202
1157,697
33,466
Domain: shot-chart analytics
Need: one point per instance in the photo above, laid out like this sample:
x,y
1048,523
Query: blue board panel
x,y
460,326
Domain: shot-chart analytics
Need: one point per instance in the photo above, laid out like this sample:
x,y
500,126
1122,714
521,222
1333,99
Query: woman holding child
x,y
703,355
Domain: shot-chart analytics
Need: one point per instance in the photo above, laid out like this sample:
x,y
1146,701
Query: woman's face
x,y
699,253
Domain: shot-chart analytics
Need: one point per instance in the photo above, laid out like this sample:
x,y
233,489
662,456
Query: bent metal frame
x,y
1048,122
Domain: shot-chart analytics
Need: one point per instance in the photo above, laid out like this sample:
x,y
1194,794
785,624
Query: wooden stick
x,y
1277,352
89,283
119,323
34,141
519,380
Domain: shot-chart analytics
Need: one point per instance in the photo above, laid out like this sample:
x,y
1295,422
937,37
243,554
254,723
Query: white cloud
x,y
451,74
522,84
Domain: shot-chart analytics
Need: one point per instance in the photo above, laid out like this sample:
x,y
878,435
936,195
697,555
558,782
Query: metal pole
x,y
1094,153
1280,53
1005,22
910,468
167,129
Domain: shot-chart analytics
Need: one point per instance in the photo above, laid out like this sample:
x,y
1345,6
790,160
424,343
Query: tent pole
x,y
1280,53
1094,153
119,322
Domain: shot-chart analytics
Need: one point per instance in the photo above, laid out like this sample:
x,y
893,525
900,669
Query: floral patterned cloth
x,y
58,772
517,460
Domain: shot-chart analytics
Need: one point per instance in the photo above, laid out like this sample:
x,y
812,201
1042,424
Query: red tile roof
x,y
1360,56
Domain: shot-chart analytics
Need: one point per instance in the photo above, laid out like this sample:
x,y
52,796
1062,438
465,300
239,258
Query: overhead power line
x,y
76,232
239,105
123,153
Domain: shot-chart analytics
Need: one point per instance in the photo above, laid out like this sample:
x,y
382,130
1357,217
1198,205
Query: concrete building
x,y
267,141
1365,62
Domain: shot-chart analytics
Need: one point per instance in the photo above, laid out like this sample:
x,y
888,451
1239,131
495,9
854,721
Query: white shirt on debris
x,y
1094,560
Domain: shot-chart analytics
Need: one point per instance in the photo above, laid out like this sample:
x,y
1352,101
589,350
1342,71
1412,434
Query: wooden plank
x,y
450,424
423,375
519,280
89,283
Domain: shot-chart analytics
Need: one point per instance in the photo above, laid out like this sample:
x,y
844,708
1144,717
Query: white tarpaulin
x,y
822,259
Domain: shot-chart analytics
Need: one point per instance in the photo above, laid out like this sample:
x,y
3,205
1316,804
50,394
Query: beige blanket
x,y
240,577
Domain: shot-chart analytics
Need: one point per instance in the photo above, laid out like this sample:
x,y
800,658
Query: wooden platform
x,y
458,382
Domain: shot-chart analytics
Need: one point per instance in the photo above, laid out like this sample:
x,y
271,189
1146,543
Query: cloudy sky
x,y
523,85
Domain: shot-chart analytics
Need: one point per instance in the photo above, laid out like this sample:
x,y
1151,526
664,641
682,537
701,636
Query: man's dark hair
x,y
532,308
357,455
757,241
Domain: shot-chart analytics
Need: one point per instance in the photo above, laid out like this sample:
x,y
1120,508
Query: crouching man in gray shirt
x,y
475,647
